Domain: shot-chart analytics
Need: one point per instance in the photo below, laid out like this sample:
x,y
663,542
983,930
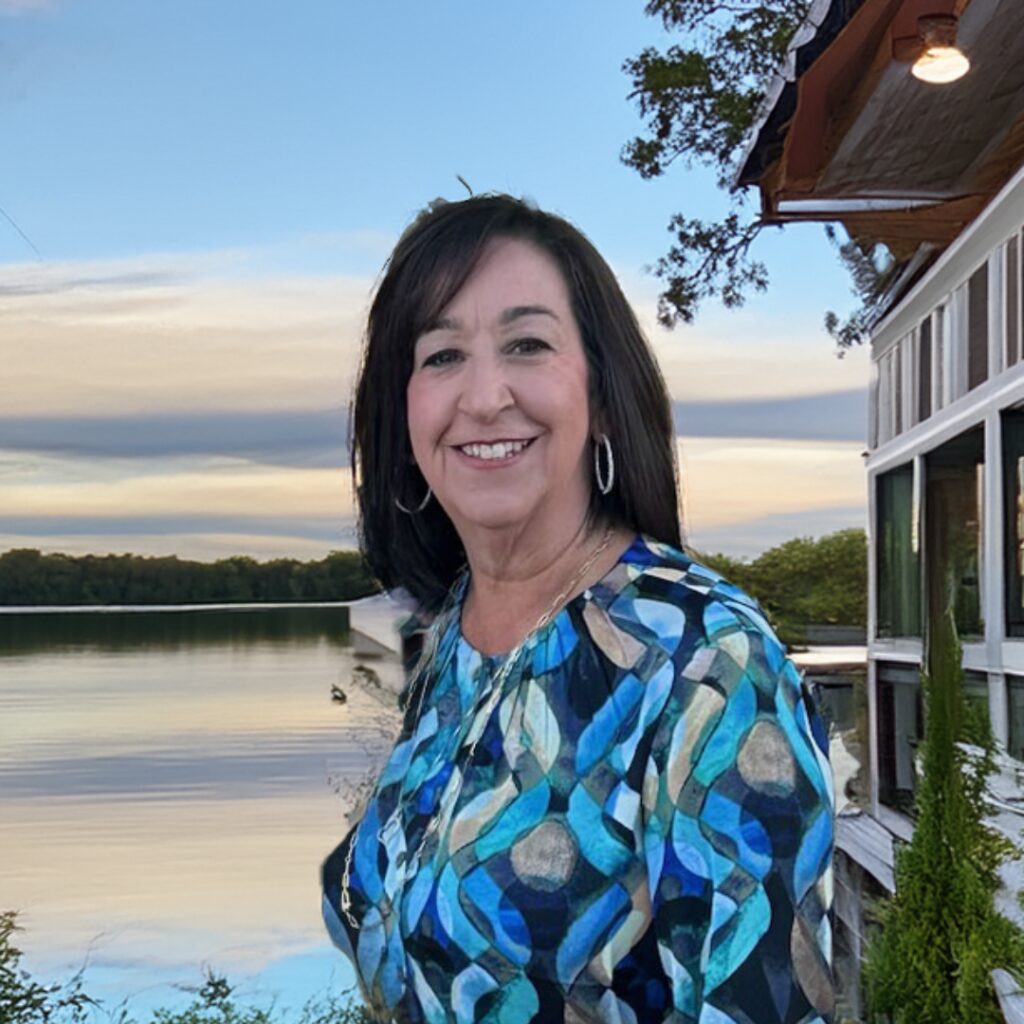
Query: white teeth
x,y
502,450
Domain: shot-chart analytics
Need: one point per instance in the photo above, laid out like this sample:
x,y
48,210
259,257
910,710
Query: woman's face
x,y
505,363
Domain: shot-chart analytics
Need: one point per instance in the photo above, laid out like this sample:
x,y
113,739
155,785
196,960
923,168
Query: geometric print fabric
x,y
644,831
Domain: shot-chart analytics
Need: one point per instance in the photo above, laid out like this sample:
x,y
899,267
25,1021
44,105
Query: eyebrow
x,y
508,316
518,312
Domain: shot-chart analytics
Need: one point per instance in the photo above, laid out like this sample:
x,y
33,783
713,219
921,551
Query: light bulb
x,y
940,65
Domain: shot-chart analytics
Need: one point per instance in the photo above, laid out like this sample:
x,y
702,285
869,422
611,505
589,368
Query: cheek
x,y
422,417
570,403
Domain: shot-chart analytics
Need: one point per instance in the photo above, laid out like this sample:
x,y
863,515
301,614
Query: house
x,y
935,172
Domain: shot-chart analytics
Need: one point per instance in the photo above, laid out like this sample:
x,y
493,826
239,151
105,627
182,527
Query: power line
x,y
14,224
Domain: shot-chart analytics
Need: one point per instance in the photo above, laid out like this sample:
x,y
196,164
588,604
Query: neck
x,y
507,596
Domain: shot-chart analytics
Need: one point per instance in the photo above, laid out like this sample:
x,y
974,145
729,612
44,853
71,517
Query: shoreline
x,y
220,606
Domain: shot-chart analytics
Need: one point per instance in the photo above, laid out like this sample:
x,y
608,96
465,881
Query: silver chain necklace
x,y
446,803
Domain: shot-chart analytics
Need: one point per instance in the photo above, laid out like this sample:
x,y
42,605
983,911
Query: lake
x,y
167,793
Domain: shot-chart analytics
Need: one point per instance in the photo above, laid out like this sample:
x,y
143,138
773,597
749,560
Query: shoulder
x,y
709,608
734,697
686,633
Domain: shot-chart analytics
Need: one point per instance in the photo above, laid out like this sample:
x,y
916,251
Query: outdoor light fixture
x,y
942,60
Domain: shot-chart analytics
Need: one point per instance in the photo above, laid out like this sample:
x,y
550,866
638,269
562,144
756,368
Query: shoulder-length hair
x,y
431,262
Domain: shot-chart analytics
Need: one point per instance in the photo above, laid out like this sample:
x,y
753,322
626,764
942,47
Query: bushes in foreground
x,y
24,1000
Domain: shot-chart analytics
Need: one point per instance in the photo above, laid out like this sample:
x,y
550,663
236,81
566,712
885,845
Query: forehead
x,y
513,272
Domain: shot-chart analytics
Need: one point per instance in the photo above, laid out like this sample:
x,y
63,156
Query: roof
x,y
847,133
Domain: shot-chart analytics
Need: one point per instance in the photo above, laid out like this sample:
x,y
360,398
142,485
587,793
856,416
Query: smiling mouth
x,y
501,452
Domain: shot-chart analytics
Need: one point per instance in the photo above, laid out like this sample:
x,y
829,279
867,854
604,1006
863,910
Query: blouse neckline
x,y
629,554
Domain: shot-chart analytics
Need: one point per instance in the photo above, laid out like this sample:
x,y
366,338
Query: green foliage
x,y
805,580
28,577
214,1004
26,1001
872,270
700,100
940,936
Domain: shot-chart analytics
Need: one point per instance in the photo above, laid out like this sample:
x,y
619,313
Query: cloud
x,y
727,482
330,530
835,416
748,539
285,437
319,437
25,6
177,333
214,487
51,282
745,353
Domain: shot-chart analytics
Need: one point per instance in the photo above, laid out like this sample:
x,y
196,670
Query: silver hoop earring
x,y
419,508
604,486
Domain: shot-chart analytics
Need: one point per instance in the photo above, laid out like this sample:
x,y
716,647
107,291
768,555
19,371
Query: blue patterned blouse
x,y
644,832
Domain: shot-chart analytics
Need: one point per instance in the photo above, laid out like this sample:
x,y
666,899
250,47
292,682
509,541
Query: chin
x,y
493,516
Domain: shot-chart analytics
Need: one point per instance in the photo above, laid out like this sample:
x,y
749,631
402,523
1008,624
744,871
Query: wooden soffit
x,y
893,158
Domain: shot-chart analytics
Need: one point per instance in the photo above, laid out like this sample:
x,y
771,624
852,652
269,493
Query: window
x,y
1015,694
924,365
898,565
900,729
895,402
897,389
1013,518
875,398
977,327
957,325
953,508
1011,301
886,398
978,726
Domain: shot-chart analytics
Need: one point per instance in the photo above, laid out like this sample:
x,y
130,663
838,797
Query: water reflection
x,y
165,797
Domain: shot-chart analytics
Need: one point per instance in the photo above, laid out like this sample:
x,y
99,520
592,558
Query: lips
x,y
480,462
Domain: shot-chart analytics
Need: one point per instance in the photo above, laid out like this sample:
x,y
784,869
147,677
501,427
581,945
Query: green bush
x,y
23,1000
940,936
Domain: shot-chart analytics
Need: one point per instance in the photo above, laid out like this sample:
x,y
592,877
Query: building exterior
x,y
935,173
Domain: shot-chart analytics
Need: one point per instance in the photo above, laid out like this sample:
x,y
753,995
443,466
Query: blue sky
x,y
212,188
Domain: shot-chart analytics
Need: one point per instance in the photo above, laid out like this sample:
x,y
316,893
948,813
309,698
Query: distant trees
x,y
28,577
804,581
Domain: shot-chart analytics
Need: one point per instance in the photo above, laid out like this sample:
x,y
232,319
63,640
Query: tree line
x,y
28,577
805,580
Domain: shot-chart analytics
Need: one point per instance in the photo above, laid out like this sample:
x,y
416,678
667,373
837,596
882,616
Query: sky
x,y
197,201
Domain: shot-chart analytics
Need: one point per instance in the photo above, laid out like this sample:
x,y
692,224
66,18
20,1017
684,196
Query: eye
x,y
439,358
532,344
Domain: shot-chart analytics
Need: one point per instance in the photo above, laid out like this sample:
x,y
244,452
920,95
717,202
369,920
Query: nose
x,y
486,389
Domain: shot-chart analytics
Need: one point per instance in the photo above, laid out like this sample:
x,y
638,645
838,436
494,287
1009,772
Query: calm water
x,y
166,796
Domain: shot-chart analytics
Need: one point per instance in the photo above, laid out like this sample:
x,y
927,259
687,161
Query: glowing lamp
x,y
942,60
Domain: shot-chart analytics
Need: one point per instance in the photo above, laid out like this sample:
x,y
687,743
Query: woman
x,y
610,799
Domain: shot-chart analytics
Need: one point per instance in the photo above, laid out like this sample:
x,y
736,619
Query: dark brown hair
x,y
431,262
